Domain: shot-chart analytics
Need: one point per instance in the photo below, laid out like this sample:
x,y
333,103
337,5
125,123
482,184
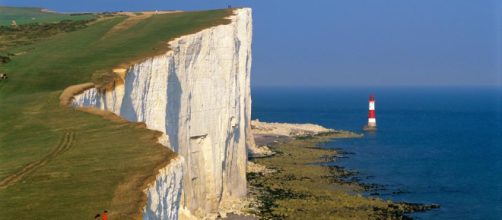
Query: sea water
x,y
440,145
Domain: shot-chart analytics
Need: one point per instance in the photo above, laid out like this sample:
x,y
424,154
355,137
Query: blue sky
x,y
354,42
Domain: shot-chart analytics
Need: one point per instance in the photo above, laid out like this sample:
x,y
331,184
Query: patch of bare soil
x,y
66,97
134,18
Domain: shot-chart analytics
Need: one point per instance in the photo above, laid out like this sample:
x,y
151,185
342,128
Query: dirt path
x,y
133,19
64,145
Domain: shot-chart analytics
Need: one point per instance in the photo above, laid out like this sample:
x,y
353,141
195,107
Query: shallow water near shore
x,y
433,144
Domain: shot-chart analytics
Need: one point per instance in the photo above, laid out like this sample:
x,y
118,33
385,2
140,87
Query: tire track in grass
x,y
64,145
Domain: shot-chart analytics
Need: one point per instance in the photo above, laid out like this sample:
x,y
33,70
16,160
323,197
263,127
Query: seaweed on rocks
x,y
304,187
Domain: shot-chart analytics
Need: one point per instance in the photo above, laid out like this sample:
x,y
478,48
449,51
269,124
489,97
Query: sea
x,y
434,145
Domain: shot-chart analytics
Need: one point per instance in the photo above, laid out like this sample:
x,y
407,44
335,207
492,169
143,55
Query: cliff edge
x,y
198,95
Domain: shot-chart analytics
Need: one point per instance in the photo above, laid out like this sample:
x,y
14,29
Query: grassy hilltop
x,y
37,15
56,161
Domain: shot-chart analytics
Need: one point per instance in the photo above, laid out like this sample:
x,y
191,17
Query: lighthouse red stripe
x,y
371,114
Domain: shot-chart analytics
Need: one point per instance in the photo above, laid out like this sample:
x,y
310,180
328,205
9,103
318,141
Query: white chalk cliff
x,y
198,95
163,196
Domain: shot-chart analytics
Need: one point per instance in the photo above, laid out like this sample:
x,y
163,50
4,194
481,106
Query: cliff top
x,y
60,162
26,15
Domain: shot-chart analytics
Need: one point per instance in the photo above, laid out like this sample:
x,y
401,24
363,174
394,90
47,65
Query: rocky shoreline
x,y
288,181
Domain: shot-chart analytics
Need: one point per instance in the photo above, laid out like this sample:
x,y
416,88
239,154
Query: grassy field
x,y
57,162
30,33
36,15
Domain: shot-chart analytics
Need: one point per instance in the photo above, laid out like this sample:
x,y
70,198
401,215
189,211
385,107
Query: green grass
x,y
30,33
107,163
36,15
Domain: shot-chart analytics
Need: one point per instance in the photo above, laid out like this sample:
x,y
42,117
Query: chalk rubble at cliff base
x,y
287,129
266,133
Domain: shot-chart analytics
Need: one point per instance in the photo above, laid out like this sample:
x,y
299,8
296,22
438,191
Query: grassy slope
x,y
30,15
108,162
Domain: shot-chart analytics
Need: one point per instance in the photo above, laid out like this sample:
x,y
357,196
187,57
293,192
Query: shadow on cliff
x,y
127,110
173,106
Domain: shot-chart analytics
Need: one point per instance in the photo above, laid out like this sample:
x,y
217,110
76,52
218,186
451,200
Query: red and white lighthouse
x,y
371,115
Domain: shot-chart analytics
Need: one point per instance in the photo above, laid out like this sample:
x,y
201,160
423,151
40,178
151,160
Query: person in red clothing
x,y
105,215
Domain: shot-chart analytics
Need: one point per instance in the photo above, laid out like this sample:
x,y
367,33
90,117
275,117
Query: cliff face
x,y
198,95
163,196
